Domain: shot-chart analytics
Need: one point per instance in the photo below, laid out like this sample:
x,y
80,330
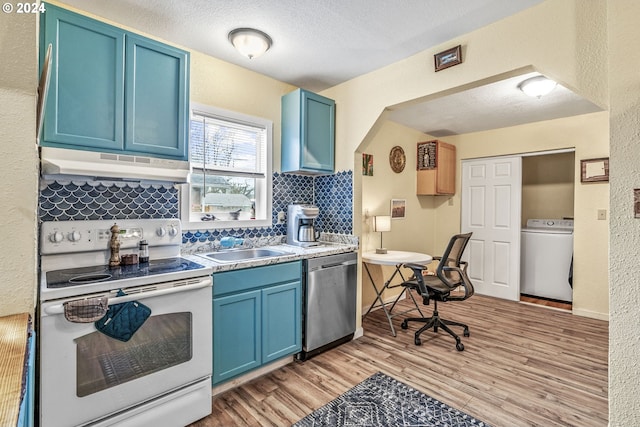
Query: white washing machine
x,y
546,268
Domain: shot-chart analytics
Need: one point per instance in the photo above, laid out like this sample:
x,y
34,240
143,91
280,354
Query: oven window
x,y
161,342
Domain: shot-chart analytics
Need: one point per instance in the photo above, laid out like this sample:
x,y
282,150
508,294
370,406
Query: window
x,y
230,181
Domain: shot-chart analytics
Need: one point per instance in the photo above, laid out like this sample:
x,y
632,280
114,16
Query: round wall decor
x,y
397,159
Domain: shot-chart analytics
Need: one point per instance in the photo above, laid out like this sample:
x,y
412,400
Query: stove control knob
x,y
56,237
161,232
74,236
173,231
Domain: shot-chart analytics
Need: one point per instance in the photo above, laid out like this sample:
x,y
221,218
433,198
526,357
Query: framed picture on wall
x,y
367,164
398,208
448,58
594,170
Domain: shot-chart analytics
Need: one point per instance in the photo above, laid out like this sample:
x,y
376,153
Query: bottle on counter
x,y
143,256
114,245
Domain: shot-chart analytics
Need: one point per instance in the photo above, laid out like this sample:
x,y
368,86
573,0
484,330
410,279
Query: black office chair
x,y
450,274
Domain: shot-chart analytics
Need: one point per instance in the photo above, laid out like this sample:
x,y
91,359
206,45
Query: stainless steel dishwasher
x,y
330,302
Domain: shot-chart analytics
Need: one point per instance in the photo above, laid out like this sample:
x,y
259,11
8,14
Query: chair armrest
x,y
415,267
464,265
418,280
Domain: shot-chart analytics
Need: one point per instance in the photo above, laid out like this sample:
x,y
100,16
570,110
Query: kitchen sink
x,y
232,255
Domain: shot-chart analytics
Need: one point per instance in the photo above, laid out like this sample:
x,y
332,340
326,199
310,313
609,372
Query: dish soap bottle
x,y
143,257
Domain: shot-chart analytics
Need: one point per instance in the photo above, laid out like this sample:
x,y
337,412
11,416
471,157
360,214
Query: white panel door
x,y
491,206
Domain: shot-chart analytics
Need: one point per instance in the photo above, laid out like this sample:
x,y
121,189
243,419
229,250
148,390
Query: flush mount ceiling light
x,y
537,86
250,42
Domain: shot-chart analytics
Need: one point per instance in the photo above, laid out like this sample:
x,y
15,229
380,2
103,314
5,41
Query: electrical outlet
x,y
282,216
602,214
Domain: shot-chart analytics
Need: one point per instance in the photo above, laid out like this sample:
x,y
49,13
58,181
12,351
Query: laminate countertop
x,y
290,253
14,334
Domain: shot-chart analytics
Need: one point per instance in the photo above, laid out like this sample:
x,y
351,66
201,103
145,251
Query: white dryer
x,y
546,268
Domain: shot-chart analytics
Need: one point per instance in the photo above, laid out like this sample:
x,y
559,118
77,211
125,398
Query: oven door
x,y
86,376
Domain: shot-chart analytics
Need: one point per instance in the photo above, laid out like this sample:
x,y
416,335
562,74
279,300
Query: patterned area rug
x,y
383,401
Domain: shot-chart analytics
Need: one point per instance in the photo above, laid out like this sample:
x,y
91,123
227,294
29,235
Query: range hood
x,y
110,166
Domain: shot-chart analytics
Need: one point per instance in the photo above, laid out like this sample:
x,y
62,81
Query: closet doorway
x,y
499,195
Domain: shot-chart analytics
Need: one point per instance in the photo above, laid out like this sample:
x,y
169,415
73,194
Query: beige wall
x,y
224,85
415,231
588,134
563,39
19,172
624,326
212,82
431,220
547,186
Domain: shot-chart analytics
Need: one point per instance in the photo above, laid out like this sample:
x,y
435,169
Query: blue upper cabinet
x,y
156,85
112,90
85,103
308,133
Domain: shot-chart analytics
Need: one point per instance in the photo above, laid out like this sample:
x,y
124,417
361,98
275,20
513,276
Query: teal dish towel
x,y
123,320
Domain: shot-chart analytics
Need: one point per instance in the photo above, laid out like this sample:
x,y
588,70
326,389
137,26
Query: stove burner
x,y
87,275
89,278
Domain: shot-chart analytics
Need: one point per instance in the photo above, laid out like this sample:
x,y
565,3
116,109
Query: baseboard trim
x,y
590,314
219,389
359,333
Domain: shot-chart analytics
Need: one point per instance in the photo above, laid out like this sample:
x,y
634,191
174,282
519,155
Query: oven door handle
x,y
203,283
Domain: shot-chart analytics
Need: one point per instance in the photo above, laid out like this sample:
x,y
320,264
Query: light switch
x,y
602,214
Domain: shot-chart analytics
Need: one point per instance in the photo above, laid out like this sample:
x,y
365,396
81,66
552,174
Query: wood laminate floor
x,y
546,302
523,365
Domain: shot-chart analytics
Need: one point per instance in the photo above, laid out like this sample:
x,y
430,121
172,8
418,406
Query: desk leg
x,y
379,298
405,290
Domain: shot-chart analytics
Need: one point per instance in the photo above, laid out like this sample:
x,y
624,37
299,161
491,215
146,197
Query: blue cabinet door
x,y
112,90
281,321
85,103
236,334
157,86
308,133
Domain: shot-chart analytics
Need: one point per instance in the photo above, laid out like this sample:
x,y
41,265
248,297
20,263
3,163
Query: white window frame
x,y
263,193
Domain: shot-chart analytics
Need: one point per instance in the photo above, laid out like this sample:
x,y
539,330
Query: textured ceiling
x,y
318,44
488,106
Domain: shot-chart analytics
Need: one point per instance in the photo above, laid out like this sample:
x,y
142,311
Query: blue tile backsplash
x,y
99,200
334,197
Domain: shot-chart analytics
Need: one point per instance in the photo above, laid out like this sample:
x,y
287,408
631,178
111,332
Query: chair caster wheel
x,y
466,333
417,341
459,346
404,325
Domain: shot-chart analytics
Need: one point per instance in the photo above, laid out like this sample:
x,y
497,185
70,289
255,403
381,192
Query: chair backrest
x,y
452,257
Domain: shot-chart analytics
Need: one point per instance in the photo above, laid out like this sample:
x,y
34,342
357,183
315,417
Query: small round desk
x,y
396,258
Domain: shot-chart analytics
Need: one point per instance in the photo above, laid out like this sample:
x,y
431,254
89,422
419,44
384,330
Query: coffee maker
x,y
301,230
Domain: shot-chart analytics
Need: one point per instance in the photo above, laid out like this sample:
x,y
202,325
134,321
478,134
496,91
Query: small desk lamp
x,y
381,223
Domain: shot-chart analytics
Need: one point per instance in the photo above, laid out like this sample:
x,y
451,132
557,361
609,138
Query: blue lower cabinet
x,y
236,332
257,318
281,321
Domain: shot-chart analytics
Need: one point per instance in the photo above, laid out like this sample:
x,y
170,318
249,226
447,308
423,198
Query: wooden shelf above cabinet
x,y
436,174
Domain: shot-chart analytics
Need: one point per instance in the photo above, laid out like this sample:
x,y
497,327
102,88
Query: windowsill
x,y
221,224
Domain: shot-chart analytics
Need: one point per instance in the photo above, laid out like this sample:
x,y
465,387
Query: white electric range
x,y
161,375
